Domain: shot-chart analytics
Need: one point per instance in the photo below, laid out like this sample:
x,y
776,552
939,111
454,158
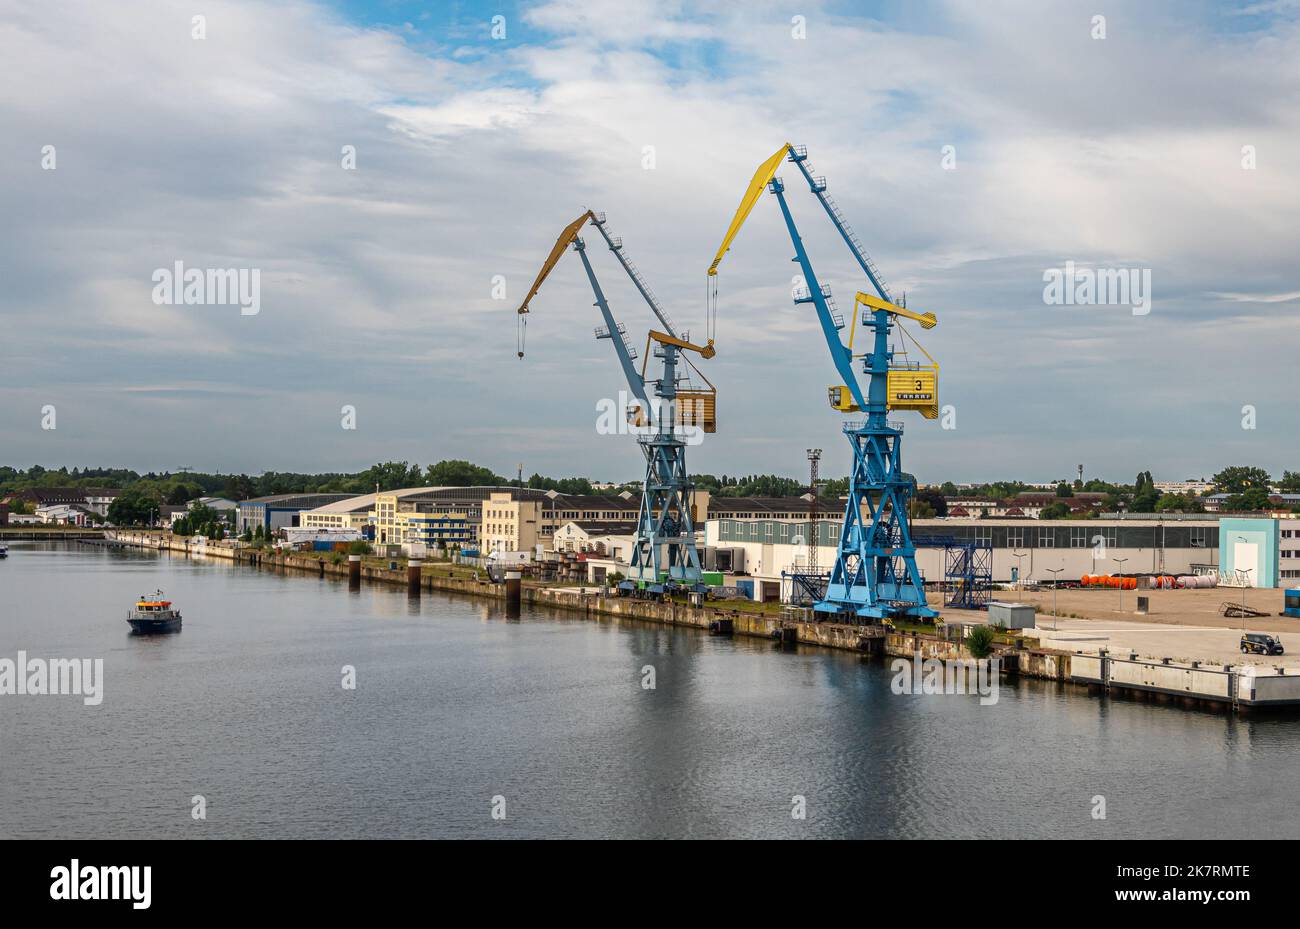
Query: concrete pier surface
x,y
1167,607
1162,640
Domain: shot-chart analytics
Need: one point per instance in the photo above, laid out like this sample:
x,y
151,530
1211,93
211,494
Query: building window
x,y
1078,537
1198,537
984,535
1016,537
1046,538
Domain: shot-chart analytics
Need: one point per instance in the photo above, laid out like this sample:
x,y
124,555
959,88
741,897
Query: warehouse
x,y
1021,549
279,510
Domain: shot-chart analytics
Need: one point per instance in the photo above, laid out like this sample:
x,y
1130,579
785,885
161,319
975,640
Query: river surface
x,y
455,705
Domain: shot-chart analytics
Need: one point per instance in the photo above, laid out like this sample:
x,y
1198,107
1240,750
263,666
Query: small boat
x,y
154,614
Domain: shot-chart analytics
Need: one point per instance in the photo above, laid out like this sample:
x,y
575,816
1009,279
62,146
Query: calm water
x,y
456,704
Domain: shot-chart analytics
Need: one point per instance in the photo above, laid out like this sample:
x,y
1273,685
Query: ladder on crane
x,y
799,156
875,574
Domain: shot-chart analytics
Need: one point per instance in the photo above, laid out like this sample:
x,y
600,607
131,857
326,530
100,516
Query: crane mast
x,y
664,555
875,574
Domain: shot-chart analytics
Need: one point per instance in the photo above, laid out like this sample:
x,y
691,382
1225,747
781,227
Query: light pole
x,y
1056,583
1020,573
1120,562
1245,582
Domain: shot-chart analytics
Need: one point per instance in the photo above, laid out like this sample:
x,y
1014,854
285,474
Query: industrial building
x,y
89,499
279,510
611,539
487,518
512,523
439,517
1253,548
1020,549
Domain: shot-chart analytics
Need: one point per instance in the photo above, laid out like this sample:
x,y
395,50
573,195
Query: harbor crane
x,y
664,555
875,574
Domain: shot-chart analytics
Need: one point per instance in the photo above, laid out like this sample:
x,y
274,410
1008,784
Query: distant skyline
x,y
742,472
977,148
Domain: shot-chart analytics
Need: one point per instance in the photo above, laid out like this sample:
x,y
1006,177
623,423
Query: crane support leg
x,y
875,574
664,554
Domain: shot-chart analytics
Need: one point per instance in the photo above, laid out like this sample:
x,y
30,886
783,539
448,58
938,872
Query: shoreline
x,y
1190,686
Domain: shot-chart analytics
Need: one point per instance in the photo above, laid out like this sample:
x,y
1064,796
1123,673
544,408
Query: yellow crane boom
x,y
757,183
564,241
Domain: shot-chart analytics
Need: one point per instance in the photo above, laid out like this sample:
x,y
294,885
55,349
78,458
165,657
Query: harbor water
x,y
466,723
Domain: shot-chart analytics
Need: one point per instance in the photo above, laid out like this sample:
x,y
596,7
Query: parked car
x,y
1261,644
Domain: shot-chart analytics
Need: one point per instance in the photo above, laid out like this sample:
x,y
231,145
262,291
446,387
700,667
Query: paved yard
x,y
1181,624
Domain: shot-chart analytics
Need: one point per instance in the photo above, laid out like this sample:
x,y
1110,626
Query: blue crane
x,y
664,555
874,575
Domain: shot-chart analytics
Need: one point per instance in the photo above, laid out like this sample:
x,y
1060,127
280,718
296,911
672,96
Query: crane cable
x,y
521,328
711,308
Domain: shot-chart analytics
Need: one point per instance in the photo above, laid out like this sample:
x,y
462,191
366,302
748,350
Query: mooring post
x,y
514,589
413,577
354,572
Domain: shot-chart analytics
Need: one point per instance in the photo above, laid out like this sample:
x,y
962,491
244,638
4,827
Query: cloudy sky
x,y
473,151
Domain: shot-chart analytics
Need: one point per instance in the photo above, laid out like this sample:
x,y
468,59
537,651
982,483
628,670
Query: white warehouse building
x,y
1021,548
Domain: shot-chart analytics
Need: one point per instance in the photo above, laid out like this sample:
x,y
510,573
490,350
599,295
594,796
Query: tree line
x,y
1248,486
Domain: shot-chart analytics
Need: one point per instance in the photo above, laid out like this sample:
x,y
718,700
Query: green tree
x,y
1063,490
576,486
201,514
1238,479
134,506
459,473
1055,510
391,475
238,487
934,499
1290,482
834,488
1179,503
1251,499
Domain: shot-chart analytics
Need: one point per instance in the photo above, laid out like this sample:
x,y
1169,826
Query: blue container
x,y
746,588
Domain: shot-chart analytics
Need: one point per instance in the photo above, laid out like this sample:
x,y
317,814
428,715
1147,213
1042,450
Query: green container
x,y
712,578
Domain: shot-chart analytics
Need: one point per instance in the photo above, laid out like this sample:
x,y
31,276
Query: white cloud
x,y
377,281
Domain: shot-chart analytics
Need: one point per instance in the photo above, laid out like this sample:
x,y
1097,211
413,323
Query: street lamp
x,y
1056,583
1020,574
1120,562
